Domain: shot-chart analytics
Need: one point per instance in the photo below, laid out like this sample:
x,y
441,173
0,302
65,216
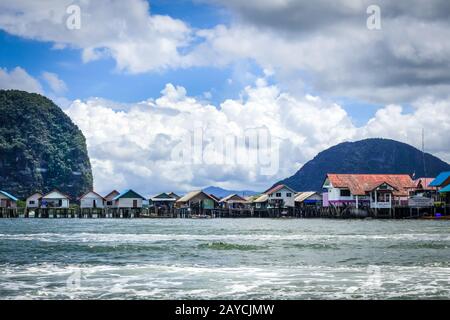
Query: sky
x,y
149,81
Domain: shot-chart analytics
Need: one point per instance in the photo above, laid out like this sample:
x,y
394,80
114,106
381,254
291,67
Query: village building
x,y
163,200
377,191
422,187
7,200
261,202
92,200
109,202
442,183
234,201
55,199
173,195
280,196
33,200
128,199
197,201
308,199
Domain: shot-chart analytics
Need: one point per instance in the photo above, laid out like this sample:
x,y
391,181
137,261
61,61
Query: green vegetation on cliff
x,y
40,147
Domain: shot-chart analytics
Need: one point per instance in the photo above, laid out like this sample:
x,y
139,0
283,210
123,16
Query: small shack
x,y
109,203
33,200
234,201
308,199
91,200
55,199
197,201
128,199
7,200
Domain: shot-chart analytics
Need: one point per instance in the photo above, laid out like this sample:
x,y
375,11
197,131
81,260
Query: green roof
x,y
129,194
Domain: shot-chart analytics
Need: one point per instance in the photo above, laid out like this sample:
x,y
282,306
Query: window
x,y
345,193
288,194
278,194
109,203
31,202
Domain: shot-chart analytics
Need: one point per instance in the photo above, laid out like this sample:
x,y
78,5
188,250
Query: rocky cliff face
x,y
40,147
365,156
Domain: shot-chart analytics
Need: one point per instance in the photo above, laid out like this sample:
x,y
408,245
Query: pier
x,y
399,212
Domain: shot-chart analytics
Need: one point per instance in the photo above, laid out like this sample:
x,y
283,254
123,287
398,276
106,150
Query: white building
x,y
128,199
109,202
377,191
280,196
92,200
33,200
55,199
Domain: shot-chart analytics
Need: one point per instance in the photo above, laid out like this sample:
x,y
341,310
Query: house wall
x,y
88,201
64,203
335,198
288,201
34,198
128,202
5,202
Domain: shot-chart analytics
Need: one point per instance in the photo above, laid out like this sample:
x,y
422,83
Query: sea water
x,y
224,259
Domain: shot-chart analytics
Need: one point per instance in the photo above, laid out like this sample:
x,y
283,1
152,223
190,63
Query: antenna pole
x,y
423,153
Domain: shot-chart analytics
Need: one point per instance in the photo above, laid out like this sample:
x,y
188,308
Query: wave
x,y
149,237
155,281
228,246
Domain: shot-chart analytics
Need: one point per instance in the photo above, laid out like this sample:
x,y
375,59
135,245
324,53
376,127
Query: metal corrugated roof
x,y
445,190
231,196
302,196
6,194
440,179
193,194
262,198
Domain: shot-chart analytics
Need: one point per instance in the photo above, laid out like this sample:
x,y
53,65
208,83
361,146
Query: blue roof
x,y
6,194
440,179
445,190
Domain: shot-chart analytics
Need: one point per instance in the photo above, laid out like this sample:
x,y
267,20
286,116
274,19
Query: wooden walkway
x,y
302,212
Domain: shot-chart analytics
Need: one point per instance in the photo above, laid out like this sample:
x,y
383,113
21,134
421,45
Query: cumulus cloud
x,y
134,148
19,79
123,30
324,45
328,44
57,85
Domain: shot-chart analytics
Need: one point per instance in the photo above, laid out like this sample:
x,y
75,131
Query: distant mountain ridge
x,y
221,193
365,156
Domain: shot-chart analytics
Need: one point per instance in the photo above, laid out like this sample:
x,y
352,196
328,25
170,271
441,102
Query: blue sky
x,y
311,73
101,79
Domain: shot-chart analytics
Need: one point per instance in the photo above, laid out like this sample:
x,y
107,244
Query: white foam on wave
x,y
208,282
149,237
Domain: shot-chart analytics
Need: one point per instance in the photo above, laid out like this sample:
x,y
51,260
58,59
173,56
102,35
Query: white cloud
x,y
19,79
57,85
124,30
133,148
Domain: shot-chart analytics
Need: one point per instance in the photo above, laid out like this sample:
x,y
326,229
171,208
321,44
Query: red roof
x,y
360,184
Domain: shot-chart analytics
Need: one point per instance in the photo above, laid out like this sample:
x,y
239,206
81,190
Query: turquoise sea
x,y
224,259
